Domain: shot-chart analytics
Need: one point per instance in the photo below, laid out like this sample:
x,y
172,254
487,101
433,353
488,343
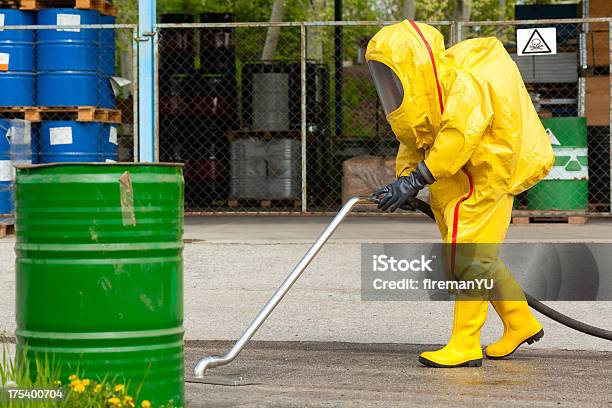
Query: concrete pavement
x,y
233,265
305,229
325,347
388,375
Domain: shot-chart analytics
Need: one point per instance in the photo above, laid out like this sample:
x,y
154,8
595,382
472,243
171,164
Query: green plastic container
x,y
566,188
100,272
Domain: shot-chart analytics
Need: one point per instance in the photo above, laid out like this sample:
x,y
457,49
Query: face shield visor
x,y
388,85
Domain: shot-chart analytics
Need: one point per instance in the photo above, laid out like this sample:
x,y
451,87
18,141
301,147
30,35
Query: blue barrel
x,y
6,170
109,142
35,142
67,58
68,49
70,141
67,88
17,78
106,97
107,47
18,88
106,64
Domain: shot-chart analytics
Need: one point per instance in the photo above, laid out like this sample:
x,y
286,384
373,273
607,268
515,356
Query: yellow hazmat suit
x,y
467,114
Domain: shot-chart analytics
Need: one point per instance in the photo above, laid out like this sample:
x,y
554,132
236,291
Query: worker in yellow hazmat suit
x,y
467,128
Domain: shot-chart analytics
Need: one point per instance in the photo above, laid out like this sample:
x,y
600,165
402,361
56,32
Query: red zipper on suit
x,y
471,191
433,64
456,222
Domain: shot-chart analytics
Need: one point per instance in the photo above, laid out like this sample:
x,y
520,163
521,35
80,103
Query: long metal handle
x,y
215,361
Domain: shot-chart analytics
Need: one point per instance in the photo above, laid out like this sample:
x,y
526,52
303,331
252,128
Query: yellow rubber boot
x,y
519,327
463,349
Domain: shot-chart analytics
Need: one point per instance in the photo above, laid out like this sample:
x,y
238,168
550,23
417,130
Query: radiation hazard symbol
x,y
536,41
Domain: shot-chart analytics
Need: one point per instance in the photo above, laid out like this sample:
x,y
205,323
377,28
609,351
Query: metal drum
x,y
177,45
17,78
16,148
265,169
18,88
70,141
107,47
106,64
109,142
68,49
6,169
67,58
59,88
218,45
99,273
566,187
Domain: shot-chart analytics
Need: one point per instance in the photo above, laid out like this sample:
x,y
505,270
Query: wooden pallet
x,y
237,202
10,4
6,229
563,217
103,6
82,113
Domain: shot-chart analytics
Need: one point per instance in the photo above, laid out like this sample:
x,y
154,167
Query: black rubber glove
x,y
400,191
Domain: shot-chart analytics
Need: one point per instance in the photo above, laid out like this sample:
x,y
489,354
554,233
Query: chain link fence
x,y
231,116
295,125
67,81
571,92
71,87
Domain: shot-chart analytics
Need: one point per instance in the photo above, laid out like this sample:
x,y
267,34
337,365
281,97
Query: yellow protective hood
x,y
414,52
463,108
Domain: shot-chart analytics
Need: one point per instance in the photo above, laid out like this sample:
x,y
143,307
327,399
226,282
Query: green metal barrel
x,y
567,185
100,272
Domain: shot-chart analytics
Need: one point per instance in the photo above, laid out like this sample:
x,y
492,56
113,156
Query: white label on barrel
x,y
4,61
68,20
112,135
571,164
1,22
60,135
6,170
110,161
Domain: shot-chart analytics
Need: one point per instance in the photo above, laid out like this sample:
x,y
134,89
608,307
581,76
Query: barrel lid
x,y
155,164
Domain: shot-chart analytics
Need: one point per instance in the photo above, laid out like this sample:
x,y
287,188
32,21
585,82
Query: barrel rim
x,y
68,164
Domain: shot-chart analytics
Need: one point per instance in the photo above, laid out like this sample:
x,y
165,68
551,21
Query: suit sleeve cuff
x,y
425,173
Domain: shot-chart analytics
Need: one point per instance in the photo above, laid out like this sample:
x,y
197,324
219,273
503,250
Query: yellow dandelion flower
x,y
73,377
86,382
98,388
128,401
78,387
114,401
145,404
57,382
119,387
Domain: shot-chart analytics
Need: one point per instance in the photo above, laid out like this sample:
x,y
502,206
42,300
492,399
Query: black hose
x,y
566,320
534,303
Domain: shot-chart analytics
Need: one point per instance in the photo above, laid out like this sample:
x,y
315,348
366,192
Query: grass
x,y
79,392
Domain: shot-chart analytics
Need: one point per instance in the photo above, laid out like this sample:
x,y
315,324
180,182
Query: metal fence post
x,y
146,83
459,34
135,93
156,92
610,103
303,80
